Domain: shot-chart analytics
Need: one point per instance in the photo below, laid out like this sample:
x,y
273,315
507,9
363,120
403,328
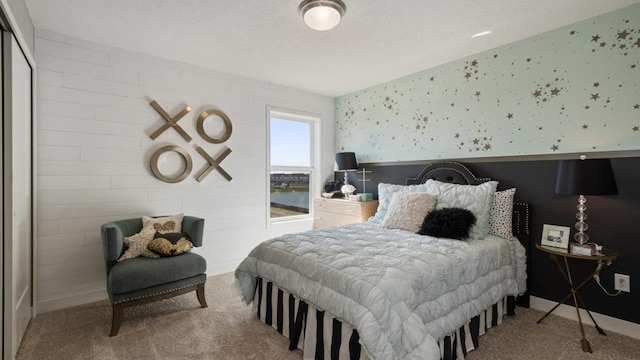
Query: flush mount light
x,y
322,15
481,34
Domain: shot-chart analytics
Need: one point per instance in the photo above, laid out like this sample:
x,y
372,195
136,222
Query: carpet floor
x,y
178,328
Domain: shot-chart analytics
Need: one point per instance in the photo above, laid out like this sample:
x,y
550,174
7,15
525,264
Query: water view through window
x,y
289,194
291,166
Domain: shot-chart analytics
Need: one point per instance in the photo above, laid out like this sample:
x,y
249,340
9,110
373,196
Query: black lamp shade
x,y
585,177
346,161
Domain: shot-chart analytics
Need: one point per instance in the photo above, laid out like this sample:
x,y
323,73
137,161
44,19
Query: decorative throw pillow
x,y
137,244
385,193
501,216
475,198
170,244
163,225
451,223
407,210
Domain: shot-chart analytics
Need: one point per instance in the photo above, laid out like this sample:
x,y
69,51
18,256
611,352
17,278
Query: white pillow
x,y
501,215
475,198
164,225
407,210
385,193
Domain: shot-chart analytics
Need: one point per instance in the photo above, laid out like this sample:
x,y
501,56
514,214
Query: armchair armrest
x,y
194,227
113,234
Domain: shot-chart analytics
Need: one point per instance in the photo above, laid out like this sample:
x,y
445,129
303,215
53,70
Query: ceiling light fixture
x,y
481,34
322,15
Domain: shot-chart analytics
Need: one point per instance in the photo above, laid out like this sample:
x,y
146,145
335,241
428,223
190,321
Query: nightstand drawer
x,y
337,212
323,219
345,207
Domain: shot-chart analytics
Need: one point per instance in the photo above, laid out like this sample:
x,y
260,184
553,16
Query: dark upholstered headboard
x,y
446,171
456,173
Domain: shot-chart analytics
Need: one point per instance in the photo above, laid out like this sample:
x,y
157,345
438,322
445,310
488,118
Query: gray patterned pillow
x,y
501,216
407,210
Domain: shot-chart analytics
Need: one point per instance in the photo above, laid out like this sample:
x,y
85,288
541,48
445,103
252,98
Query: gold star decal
x,y
537,93
487,146
573,32
467,75
596,84
603,44
477,93
636,106
456,135
623,35
555,92
585,126
595,96
555,147
595,38
476,141
474,63
509,116
636,128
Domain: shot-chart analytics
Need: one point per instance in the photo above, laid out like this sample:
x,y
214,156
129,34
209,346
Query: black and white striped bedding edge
x,y
320,336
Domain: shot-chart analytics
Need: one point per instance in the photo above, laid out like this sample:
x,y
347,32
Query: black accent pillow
x,y
451,223
170,244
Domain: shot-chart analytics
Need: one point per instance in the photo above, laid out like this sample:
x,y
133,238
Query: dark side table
x,y
604,258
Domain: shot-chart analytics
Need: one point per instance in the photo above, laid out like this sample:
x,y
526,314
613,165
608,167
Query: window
x,y
291,161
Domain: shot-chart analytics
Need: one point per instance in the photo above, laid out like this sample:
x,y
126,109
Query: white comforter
x,y
400,290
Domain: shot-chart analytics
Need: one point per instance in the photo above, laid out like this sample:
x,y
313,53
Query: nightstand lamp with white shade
x,y
584,177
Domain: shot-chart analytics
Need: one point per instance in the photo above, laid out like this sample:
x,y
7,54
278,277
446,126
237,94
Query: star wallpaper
x,y
573,89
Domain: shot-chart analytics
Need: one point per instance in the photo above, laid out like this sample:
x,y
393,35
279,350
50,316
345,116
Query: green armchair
x,y
143,280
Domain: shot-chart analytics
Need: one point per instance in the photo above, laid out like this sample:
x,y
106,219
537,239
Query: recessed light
x,y
481,34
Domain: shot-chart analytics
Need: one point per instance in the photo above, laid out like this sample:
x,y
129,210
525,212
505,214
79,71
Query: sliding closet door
x,y
2,198
17,188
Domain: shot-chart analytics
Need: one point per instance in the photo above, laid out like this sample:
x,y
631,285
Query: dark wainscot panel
x,y
612,223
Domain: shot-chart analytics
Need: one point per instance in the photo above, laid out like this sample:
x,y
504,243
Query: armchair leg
x,y
116,320
200,294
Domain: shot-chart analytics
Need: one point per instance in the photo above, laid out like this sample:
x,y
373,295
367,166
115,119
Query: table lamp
x,y
346,161
585,177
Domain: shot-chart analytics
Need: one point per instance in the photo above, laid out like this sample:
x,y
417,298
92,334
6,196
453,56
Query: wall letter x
x,y
171,121
215,164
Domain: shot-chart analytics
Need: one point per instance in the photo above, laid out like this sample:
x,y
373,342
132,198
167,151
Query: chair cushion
x,y
141,273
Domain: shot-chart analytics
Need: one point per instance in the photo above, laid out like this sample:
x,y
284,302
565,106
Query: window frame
x,y
314,121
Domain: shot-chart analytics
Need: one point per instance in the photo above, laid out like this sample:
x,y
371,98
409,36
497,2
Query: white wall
x,y
93,150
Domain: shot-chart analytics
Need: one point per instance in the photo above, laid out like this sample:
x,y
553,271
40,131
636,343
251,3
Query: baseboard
x,y
606,322
68,300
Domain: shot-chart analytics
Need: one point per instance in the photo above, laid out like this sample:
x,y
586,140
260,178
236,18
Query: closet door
x,y
17,194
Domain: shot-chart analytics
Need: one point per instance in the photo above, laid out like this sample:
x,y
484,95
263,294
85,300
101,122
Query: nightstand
x,y
604,258
336,212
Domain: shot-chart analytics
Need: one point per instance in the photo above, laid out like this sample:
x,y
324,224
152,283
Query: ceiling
x,y
266,40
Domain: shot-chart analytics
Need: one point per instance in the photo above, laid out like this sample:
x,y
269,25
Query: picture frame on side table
x,y
555,236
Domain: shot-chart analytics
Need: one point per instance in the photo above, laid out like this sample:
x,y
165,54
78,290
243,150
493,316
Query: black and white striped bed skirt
x,y
320,336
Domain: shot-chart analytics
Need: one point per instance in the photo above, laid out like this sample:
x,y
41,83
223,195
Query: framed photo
x,y
555,236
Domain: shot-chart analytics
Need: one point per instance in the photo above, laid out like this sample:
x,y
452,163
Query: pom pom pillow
x,y
450,223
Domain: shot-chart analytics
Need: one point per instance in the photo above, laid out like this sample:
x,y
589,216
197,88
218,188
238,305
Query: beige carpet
x,y
179,329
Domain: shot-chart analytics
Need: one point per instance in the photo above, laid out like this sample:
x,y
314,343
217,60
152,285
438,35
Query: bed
x,y
379,290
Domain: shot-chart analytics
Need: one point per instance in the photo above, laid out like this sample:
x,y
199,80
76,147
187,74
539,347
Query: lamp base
x,y
581,249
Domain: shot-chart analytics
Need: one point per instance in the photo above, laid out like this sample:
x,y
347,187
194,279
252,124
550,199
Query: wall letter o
x,y
179,150
227,126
